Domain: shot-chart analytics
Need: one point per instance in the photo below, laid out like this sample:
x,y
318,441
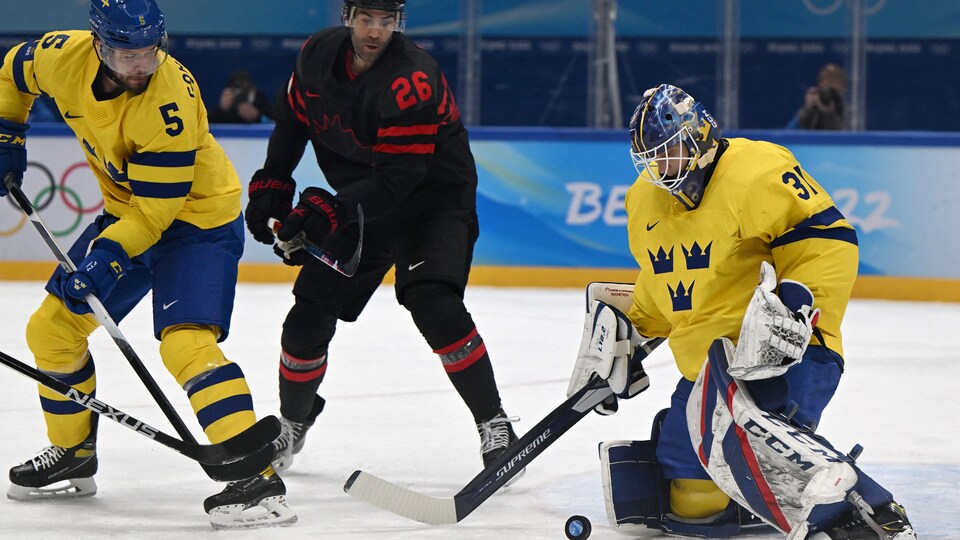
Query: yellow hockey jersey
x,y
152,153
698,268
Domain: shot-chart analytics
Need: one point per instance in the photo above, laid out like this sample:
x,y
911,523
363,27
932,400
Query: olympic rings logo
x,y
47,196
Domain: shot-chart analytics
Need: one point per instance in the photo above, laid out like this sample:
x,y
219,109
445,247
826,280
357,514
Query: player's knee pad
x,y
776,470
306,335
188,350
438,312
692,498
58,338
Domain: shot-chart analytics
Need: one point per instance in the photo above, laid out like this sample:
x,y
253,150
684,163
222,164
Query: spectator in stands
x,y
823,103
241,102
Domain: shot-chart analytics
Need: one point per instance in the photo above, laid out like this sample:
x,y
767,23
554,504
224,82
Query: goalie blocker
x,y
610,345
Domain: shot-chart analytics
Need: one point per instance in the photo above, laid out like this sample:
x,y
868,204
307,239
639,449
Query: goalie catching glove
x,y
608,348
776,329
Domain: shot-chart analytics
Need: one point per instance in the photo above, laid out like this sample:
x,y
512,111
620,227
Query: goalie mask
x,y
350,7
673,142
131,38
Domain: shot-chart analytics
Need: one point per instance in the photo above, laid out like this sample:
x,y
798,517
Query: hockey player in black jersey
x,y
388,137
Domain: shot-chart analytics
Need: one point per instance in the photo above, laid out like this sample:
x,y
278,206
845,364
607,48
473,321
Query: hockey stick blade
x,y
348,268
239,457
449,510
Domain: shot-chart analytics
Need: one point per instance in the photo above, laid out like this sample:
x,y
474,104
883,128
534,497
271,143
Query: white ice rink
x,y
392,412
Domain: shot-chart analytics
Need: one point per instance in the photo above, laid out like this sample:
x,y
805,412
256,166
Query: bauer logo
x,y
522,454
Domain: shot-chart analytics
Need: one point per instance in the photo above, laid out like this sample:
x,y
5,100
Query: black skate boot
x,y
258,501
292,437
889,523
496,435
56,472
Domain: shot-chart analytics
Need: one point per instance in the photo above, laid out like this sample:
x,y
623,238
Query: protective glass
x,y
134,62
654,165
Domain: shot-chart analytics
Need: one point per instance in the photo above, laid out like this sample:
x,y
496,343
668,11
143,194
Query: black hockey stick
x,y
215,472
449,510
348,268
241,456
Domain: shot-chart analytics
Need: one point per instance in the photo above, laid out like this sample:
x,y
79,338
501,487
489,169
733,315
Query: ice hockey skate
x,y
289,442
889,523
496,435
259,501
293,436
56,473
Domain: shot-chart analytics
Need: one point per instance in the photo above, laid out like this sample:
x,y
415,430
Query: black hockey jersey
x,y
390,138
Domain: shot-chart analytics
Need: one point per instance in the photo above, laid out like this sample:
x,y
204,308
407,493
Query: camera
x,y
828,96
240,95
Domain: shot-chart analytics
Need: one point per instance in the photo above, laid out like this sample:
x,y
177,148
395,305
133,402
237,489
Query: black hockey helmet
x,y
396,6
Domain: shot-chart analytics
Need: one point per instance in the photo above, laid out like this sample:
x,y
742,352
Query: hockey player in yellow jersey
x,y
759,363
171,224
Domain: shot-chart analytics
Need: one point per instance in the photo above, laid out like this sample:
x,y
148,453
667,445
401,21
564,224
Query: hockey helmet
x,y
395,6
129,25
667,117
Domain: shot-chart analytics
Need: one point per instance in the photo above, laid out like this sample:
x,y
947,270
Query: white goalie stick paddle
x,y
347,268
213,470
449,510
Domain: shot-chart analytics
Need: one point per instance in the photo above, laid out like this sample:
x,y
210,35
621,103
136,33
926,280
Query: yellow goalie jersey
x,y
152,153
698,268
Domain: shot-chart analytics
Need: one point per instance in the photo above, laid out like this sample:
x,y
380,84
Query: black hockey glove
x,y
317,214
270,197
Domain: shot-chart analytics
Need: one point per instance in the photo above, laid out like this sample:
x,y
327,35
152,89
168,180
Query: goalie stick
x,y
241,456
348,268
216,472
449,510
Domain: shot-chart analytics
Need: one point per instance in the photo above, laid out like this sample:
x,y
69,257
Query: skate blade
x,y
269,512
74,488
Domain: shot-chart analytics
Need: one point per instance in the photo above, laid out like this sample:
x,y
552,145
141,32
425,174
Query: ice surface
x,y
392,412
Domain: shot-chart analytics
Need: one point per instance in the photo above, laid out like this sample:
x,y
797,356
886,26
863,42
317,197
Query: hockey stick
x,y
449,510
301,241
213,471
241,456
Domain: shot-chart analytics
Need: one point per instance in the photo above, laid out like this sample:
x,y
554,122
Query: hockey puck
x,y
578,528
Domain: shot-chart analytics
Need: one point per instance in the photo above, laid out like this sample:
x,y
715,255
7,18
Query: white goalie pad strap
x,y
772,339
606,348
767,465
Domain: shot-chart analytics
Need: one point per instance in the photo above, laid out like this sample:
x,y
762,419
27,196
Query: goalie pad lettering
x,y
608,348
767,465
773,337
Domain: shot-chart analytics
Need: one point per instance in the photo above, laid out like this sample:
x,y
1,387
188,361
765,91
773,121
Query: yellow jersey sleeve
x,y
18,83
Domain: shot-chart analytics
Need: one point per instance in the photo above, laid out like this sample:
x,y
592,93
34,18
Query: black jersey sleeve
x,y
290,134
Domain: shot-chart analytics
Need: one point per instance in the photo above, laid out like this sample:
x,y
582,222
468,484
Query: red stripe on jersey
x,y
468,361
404,148
400,131
296,102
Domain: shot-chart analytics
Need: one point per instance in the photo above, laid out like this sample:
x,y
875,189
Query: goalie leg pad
x,y
634,490
777,471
